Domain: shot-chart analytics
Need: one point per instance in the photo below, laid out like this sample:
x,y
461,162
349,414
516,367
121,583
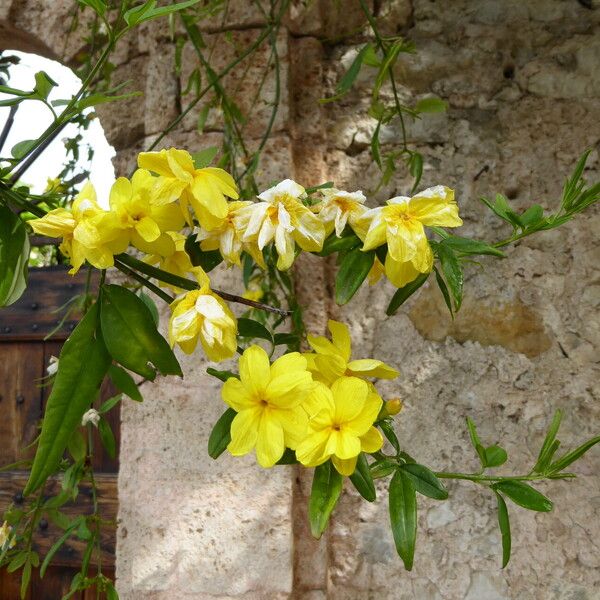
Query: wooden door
x,y
24,356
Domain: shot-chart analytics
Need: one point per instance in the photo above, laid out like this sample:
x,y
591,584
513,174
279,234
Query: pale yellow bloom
x,y
204,189
343,427
202,315
145,222
376,272
281,217
177,263
89,232
339,208
7,539
268,399
227,238
333,359
401,224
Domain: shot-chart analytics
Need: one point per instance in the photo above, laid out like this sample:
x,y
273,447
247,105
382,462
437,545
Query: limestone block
x,y
123,121
188,523
251,85
162,89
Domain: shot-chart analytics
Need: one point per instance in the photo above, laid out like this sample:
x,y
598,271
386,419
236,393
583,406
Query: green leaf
x,y
83,363
98,5
444,289
548,447
202,117
452,273
363,480
376,146
495,456
285,339
14,255
124,382
43,84
107,437
383,468
425,481
288,458
203,158
25,579
523,495
208,259
109,404
135,15
151,306
353,271
22,148
222,375
504,524
100,98
220,435
564,461
324,495
339,244
57,545
532,216
470,247
415,168
253,329
403,516
475,441
17,562
163,11
431,105
77,446
390,434
347,80
404,293
131,336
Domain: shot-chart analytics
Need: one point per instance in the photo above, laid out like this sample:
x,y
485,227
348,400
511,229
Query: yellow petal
x,y
269,443
375,236
361,423
244,431
400,273
348,445
294,361
294,423
168,217
309,233
163,246
349,396
436,206
330,368
311,451
322,345
147,229
57,223
319,399
340,335
371,441
344,467
120,193
234,394
156,162
255,370
369,367
290,389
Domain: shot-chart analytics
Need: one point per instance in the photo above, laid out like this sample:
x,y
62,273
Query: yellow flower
x,y
339,208
376,272
202,315
89,232
177,263
145,222
401,224
268,400
332,359
282,217
343,427
7,539
227,238
204,189
54,184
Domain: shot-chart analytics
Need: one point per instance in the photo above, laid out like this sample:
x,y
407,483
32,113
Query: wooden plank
x,y
21,368
71,554
10,586
34,316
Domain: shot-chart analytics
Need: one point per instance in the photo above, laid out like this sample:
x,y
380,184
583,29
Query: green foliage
x,y
14,254
324,495
220,435
123,381
354,269
404,293
403,515
131,336
83,364
362,479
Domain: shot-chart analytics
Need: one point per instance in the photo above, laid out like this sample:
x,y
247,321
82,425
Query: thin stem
x,y
145,282
8,125
188,284
477,478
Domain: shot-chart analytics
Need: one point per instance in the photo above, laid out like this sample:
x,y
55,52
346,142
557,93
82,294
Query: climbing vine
x,y
291,397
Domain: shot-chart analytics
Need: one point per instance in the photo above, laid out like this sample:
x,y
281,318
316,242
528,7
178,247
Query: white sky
x,y
33,117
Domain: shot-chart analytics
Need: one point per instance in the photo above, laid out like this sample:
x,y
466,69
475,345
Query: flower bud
x,y
91,416
390,408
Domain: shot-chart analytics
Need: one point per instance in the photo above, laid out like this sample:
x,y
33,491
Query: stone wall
x,y
523,84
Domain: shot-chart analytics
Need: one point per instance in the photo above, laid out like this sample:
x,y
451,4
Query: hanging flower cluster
x,y
319,404
168,193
